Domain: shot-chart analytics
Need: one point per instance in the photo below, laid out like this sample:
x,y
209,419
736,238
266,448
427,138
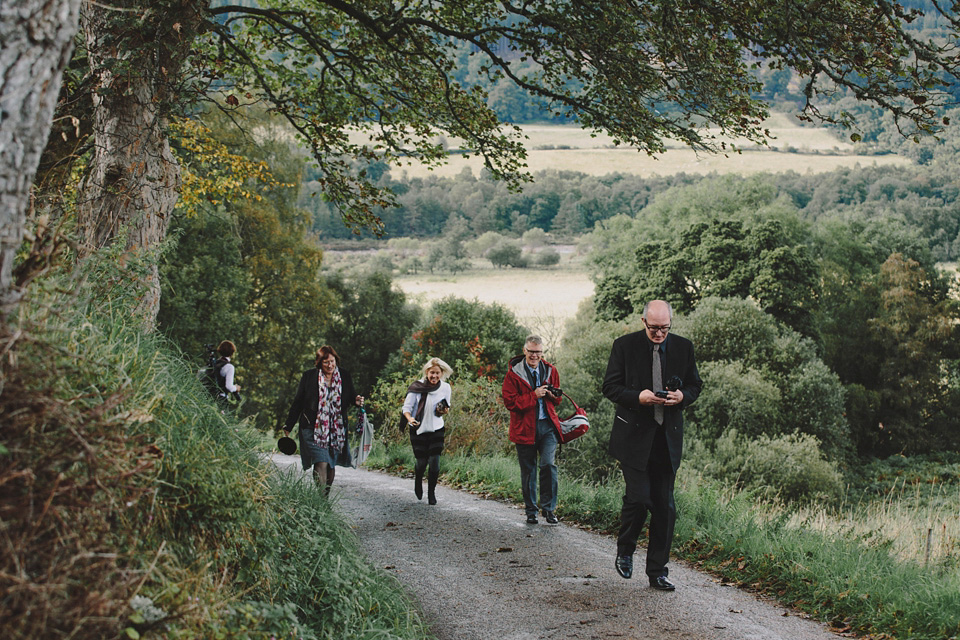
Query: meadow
x,y
541,299
569,148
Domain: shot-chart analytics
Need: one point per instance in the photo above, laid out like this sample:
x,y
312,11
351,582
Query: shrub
x,y
791,467
730,329
735,397
548,257
479,247
534,238
121,478
481,335
413,265
813,403
507,254
761,377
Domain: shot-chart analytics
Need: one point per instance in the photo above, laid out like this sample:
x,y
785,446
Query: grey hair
x,y
534,338
445,370
646,307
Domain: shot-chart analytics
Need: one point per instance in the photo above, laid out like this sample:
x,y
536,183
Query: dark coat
x,y
305,405
629,371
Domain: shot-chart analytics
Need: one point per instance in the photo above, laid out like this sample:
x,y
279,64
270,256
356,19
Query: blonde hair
x,y
445,370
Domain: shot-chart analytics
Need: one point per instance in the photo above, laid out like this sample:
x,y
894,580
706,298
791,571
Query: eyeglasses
x,y
533,353
654,329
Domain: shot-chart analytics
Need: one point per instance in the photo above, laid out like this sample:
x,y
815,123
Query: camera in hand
x,y
556,391
672,384
442,407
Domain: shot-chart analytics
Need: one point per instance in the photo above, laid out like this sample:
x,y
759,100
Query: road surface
x,y
480,572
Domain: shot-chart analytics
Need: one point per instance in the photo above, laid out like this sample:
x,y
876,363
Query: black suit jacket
x,y
629,371
305,405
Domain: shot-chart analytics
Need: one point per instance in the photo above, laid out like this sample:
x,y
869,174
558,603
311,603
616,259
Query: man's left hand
x,y
673,398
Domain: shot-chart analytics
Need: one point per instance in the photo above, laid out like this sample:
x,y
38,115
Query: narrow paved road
x,y
480,572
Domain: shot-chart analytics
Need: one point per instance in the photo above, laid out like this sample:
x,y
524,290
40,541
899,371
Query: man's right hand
x,y
541,391
648,398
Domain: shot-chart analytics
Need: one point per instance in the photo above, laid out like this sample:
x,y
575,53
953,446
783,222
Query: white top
x,y
227,371
431,422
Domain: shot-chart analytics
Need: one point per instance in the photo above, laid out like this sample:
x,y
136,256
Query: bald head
x,y
657,316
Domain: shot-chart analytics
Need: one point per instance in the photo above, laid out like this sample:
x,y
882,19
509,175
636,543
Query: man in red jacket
x,y
531,393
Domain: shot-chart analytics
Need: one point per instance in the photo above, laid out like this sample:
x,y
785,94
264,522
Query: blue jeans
x,y
545,445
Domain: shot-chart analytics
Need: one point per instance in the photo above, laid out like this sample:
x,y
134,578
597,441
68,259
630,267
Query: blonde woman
x,y
427,401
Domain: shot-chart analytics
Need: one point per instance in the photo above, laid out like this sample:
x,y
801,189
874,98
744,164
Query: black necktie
x,y
657,383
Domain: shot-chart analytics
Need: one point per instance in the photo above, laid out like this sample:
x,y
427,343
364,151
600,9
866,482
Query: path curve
x,y
480,572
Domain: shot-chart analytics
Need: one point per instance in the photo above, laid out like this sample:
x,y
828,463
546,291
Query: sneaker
x,y
531,519
550,517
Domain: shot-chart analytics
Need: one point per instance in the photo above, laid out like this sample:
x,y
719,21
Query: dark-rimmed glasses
x,y
656,329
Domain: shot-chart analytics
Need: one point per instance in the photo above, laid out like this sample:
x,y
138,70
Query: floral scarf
x,y
328,430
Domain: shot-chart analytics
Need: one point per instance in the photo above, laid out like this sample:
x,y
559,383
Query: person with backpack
x,y
224,371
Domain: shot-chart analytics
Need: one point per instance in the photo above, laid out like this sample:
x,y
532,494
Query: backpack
x,y
211,378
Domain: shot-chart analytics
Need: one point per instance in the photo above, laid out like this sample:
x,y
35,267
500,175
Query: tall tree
x,y
719,258
642,71
243,267
136,52
370,321
36,41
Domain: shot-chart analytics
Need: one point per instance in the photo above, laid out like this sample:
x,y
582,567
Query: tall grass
x,y
917,523
852,582
132,507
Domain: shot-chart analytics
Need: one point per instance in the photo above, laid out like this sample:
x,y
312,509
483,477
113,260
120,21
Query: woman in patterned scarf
x,y
320,408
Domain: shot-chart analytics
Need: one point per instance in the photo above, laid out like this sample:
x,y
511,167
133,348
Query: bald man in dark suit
x,y
647,436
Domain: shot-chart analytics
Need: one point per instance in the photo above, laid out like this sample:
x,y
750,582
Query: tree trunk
x,y
133,179
37,37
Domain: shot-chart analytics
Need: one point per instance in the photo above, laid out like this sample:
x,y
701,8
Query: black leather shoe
x,y
624,565
551,517
662,584
531,519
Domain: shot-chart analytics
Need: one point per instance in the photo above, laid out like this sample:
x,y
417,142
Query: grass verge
x,y
130,507
851,584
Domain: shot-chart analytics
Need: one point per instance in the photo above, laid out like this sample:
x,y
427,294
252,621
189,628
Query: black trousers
x,y
649,491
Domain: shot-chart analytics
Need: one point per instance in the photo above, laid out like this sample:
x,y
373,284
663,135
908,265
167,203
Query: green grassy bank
x,y
130,507
844,580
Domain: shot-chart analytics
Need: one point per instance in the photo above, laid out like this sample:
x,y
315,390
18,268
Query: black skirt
x,y
427,444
